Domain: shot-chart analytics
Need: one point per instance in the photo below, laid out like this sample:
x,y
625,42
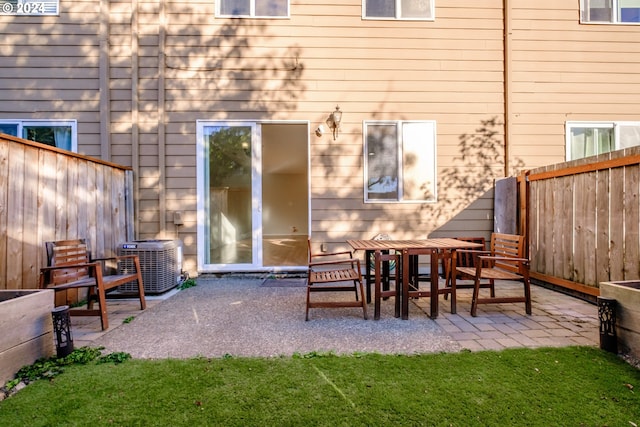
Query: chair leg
x,y
364,303
308,300
376,292
474,299
143,303
454,296
102,300
493,289
527,295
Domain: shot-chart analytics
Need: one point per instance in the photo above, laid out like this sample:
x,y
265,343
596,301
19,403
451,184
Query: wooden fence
x,y
50,194
582,220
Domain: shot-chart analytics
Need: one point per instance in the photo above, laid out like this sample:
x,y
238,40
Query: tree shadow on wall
x,y
472,176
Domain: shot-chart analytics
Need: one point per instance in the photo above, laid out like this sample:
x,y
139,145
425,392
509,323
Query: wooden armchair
x,y
71,267
505,261
334,272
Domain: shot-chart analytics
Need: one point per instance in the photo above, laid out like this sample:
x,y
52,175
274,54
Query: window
x,y
589,139
253,8
398,9
57,133
400,161
610,11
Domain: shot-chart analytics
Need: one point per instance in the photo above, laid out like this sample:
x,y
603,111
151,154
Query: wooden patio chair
x,y
70,267
504,261
334,272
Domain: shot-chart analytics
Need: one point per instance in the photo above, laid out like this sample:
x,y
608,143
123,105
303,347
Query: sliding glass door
x,y
230,195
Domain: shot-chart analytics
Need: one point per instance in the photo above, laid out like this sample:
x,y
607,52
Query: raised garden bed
x,y
627,296
26,329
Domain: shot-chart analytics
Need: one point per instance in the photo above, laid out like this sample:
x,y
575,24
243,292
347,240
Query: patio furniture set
x,y
459,257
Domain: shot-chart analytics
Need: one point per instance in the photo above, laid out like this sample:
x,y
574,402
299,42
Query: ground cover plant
x,y
574,386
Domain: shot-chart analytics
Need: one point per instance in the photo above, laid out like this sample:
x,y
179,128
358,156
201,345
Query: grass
x,y
575,386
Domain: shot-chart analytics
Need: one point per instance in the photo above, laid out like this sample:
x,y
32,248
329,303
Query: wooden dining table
x,y
369,246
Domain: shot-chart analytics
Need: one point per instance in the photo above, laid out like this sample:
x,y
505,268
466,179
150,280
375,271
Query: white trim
x,y
615,10
72,123
400,147
615,125
252,12
398,11
201,170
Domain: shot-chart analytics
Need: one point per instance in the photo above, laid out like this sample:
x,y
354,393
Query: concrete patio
x,y
238,316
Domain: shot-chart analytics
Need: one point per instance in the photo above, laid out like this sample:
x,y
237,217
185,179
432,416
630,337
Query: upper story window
x,y
586,139
57,133
253,8
610,11
399,9
400,161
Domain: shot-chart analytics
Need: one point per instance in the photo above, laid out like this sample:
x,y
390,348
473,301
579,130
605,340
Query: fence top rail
x,y
584,168
38,145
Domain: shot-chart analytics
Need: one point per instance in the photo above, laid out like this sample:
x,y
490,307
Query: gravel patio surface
x,y
239,317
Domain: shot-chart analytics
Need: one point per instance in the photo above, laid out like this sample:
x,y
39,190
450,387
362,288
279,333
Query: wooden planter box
x,y
26,329
627,296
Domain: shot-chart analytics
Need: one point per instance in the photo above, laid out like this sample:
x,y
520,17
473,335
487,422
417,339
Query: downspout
x,y
162,164
507,55
104,93
135,108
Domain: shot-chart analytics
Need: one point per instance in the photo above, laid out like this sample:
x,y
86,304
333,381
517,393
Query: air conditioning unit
x,y
160,263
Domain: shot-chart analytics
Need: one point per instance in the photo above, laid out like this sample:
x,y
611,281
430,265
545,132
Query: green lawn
x,y
576,386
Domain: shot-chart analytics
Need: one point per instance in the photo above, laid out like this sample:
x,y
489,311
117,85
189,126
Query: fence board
x,y
616,228
30,208
565,267
15,214
50,194
4,194
602,230
547,232
631,265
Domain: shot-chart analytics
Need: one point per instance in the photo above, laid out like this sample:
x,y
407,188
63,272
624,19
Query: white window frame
x,y
21,123
429,164
398,13
615,125
615,14
252,12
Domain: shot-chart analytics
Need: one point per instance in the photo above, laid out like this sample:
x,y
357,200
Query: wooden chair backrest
x,y
68,252
507,245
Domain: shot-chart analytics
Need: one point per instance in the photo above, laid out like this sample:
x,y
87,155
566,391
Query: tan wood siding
x,y
563,70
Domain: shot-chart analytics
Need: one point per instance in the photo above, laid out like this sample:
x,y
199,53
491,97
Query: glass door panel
x,y
230,193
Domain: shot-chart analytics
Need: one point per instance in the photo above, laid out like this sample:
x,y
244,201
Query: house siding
x,y
566,71
170,64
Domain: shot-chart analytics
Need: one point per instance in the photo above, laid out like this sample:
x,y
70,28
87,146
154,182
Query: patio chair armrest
x,y
503,258
115,258
351,262
45,272
328,254
62,267
473,251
